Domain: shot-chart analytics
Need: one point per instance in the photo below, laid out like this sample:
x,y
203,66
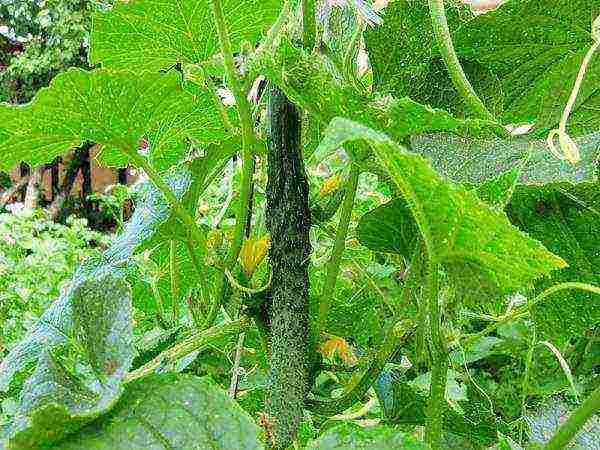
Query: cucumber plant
x,y
275,87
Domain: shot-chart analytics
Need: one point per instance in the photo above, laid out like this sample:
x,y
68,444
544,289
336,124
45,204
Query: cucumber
x,y
288,221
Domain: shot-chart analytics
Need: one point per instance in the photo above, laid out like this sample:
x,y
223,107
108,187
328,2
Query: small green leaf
x,y
113,109
170,411
481,251
348,436
150,36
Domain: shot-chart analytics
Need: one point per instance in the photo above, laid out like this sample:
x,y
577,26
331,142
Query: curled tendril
x,y
570,150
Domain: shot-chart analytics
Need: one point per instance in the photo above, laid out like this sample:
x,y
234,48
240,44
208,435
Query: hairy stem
x,y
525,310
174,275
243,107
576,421
333,265
439,370
455,70
309,29
198,341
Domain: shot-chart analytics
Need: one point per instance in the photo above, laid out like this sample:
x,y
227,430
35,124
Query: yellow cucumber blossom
x,y
330,184
253,252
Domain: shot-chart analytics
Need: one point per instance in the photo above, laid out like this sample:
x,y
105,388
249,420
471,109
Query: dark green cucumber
x,y
288,221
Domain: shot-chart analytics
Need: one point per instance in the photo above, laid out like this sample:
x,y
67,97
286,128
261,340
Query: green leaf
x,y
103,323
353,437
481,251
406,62
113,109
170,411
55,326
150,35
506,443
478,160
566,219
536,49
311,81
55,402
393,219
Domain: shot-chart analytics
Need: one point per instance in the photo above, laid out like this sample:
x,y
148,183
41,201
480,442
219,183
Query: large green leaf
x,y
170,412
566,219
113,109
522,59
478,160
152,35
348,436
479,248
53,401
55,327
406,61
536,48
311,81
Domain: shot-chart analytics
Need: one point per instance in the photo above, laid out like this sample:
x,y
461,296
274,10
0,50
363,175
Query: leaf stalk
x,y
333,265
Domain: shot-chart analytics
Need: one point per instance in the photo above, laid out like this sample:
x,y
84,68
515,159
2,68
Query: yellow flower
x,y
253,252
335,344
331,184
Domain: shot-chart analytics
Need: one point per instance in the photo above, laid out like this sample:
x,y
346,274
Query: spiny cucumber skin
x,y
288,220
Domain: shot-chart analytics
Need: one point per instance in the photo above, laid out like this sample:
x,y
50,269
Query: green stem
x,y
350,55
174,280
568,430
455,70
178,207
204,289
395,337
525,384
333,265
160,311
309,29
524,310
195,235
196,342
248,143
243,107
439,370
